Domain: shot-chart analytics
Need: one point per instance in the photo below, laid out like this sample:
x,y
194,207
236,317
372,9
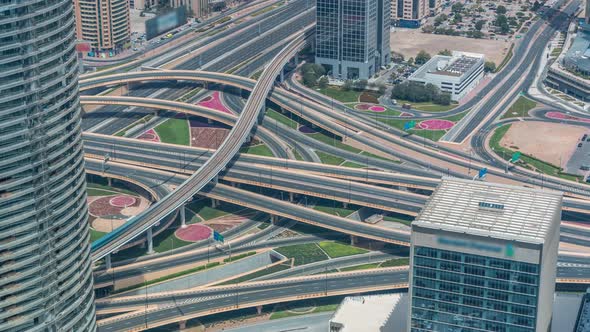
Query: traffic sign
x,y
515,157
482,173
217,237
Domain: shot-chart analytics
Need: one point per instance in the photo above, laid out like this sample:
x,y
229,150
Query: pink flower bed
x,y
562,116
378,109
213,101
122,201
436,124
193,233
405,114
362,107
149,135
102,206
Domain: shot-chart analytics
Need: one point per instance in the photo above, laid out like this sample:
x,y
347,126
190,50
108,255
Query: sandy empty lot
x,y
411,41
546,141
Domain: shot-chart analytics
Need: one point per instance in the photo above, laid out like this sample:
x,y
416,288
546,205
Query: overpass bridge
x,y
218,161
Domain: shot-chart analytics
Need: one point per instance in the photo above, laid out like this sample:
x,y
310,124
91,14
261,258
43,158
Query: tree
x,y
347,86
446,52
502,23
458,18
479,24
360,84
457,7
440,19
475,34
323,82
536,5
489,67
309,79
411,61
443,99
501,10
428,28
422,57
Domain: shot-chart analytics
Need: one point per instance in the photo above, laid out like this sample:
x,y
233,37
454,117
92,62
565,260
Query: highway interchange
x,y
175,173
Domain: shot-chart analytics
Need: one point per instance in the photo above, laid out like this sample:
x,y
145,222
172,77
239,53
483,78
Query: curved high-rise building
x,y
45,265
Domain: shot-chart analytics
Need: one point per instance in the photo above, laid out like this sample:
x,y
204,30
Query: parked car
x,y
580,145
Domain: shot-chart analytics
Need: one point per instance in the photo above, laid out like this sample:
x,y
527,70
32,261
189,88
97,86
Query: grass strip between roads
x,y
168,277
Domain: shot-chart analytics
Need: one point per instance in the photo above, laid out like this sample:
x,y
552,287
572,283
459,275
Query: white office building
x,y
483,258
457,74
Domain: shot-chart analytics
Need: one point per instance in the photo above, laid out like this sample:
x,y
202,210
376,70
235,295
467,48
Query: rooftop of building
x,y
578,54
492,210
371,313
455,65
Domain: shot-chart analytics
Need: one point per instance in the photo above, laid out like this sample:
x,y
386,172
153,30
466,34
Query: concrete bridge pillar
x,y
345,205
259,309
182,216
291,197
282,76
233,184
209,121
150,241
216,179
107,261
353,240
296,58
182,325
273,219
214,203
110,182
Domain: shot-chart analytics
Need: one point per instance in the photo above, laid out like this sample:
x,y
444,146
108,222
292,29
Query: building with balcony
x,y
411,13
45,265
105,24
352,37
483,258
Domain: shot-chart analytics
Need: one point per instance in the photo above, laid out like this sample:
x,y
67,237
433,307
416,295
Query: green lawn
x,y
303,253
297,155
335,208
367,266
95,235
175,131
318,309
256,75
399,218
506,59
167,240
526,160
339,94
556,51
520,108
352,164
335,249
260,150
396,262
257,274
109,190
202,208
427,106
238,257
388,111
281,119
98,192
329,159
333,142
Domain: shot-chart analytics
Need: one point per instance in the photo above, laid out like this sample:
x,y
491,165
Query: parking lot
x,y
579,162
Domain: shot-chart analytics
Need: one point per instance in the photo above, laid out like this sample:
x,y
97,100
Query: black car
x,y
580,145
584,137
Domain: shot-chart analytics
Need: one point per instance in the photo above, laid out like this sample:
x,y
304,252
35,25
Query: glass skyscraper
x,y
483,258
45,265
352,37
